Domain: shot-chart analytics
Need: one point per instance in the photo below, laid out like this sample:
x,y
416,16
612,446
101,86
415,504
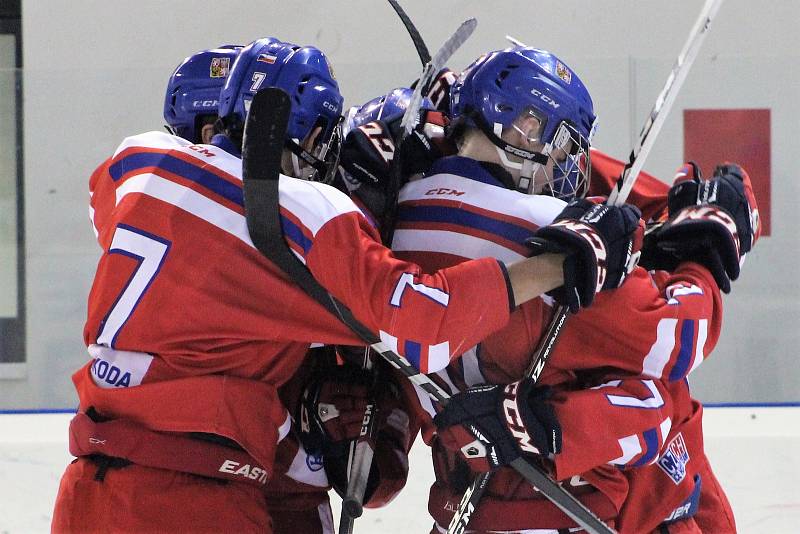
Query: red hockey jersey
x,y
612,363
180,292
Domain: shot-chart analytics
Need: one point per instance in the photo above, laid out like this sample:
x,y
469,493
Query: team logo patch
x,y
563,72
673,461
314,462
267,58
220,66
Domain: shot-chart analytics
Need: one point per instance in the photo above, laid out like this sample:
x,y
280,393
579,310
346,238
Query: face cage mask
x,y
568,179
321,163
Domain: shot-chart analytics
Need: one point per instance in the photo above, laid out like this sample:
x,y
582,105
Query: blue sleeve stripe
x,y
452,215
651,442
684,360
413,352
293,232
184,169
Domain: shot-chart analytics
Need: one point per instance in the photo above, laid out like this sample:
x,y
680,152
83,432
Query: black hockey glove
x,y
493,425
368,151
439,91
711,222
601,243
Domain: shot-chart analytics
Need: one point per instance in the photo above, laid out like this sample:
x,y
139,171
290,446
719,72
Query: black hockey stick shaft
x,y
419,43
469,502
262,149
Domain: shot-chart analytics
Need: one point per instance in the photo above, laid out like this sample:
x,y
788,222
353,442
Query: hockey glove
x,y
711,222
439,90
601,244
493,425
331,411
368,151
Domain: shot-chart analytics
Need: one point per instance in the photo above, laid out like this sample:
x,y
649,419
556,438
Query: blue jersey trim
x,y
466,168
184,169
685,355
294,233
452,215
651,441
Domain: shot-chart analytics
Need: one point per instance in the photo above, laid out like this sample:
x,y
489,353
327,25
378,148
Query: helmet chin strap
x,y
527,167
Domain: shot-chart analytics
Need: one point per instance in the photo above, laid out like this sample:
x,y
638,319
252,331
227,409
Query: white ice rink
x,y
754,452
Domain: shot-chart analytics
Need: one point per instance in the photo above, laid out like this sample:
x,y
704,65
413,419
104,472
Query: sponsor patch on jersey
x,y
314,462
118,368
563,72
220,66
673,461
267,58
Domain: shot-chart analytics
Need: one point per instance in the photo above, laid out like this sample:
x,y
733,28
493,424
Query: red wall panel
x,y
711,136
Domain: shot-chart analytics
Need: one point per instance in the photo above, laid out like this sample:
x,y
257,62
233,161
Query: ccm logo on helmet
x,y
329,106
205,103
543,97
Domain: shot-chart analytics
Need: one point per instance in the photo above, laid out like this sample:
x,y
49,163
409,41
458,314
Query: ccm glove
x,y
601,244
711,222
493,425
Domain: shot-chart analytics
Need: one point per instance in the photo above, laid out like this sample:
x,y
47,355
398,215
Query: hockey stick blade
x,y
262,148
411,115
658,115
416,38
411,118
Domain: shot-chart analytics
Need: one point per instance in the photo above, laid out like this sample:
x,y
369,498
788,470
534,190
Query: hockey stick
x,y
617,197
658,115
411,118
359,460
419,44
261,157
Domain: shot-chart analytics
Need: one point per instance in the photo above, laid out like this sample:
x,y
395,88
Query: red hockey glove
x,y
712,222
493,425
601,243
332,409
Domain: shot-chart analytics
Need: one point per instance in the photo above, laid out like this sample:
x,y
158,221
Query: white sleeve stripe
x,y
656,401
702,335
188,200
660,352
666,426
446,242
630,448
312,203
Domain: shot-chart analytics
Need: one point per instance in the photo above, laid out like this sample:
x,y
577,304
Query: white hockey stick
x,y
658,115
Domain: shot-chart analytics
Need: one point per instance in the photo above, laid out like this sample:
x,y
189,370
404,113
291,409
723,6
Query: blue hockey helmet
x,y
193,90
302,71
386,107
502,86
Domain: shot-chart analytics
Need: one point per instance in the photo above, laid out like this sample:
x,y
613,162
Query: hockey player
x,y
191,331
297,495
192,97
680,487
527,102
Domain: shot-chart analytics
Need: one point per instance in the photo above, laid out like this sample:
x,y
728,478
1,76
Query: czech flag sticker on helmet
x,y
267,58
